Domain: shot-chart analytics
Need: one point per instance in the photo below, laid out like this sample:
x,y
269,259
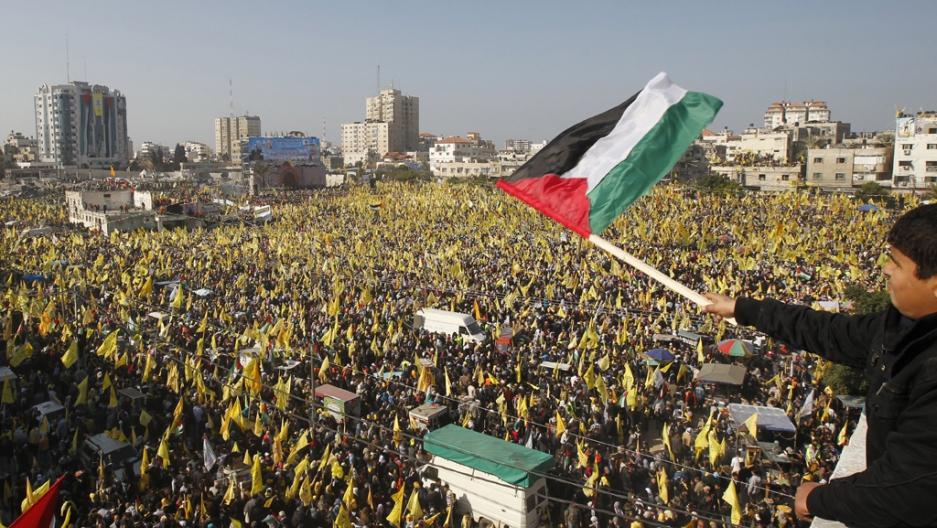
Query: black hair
x,y
915,235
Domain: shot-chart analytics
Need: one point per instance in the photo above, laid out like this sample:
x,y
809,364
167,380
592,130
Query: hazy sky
x,y
502,68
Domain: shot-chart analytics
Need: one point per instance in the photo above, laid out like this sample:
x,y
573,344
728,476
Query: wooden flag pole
x,y
652,272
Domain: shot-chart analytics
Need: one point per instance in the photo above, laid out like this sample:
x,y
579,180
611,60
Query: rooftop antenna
x,y
68,76
378,78
85,61
323,129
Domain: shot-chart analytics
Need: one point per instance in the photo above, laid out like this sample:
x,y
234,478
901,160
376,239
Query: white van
x,y
446,322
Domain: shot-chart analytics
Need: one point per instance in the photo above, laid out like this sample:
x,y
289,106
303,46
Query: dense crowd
x,y
224,331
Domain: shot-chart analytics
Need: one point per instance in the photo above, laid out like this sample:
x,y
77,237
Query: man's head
x,y
912,266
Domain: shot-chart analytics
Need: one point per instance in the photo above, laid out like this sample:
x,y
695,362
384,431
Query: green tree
x,y
716,183
871,191
931,192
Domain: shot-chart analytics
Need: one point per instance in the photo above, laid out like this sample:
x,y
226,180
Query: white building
x,y
111,210
915,165
79,124
763,178
232,132
148,148
195,151
460,150
790,113
20,149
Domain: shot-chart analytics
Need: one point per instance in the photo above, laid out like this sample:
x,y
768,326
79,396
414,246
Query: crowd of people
x,y
224,333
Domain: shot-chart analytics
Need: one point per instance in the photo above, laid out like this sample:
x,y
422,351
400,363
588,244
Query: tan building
x,y
763,178
401,113
915,164
845,168
766,146
231,132
392,124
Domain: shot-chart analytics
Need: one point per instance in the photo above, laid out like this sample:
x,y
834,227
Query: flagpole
x,y
652,272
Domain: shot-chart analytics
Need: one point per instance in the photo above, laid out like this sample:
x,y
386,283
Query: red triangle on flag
x,y
40,514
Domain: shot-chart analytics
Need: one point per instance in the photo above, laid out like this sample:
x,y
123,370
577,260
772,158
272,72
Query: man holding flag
x,y
898,348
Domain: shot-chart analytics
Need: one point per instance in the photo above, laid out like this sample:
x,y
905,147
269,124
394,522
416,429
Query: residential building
x,y
789,113
196,152
111,210
461,150
842,168
79,124
20,149
364,142
766,147
401,113
392,124
915,158
158,153
232,132
763,177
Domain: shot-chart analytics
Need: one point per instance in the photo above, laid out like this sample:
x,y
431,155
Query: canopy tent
x,y
720,373
661,355
769,418
512,463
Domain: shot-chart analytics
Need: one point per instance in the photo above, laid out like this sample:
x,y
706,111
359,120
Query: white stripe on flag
x,y
636,121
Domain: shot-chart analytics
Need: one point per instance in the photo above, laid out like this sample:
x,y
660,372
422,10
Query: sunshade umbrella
x,y
660,354
735,348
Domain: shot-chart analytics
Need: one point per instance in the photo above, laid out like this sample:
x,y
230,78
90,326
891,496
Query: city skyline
x,y
486,69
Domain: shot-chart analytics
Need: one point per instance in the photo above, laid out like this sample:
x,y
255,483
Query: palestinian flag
x,y
595,169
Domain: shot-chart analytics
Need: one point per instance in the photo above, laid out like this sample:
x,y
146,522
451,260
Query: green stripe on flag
x,y
650,159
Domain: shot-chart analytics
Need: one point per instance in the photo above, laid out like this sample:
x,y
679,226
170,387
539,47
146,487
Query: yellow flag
x,y
560,425
8,391
301,443
397,512
71,355
397,432
665,437
82,392
163,452
231,493
342,520
413,507
605,362
732,497
752,424
112,402
699,352
662,485
257,479
843,437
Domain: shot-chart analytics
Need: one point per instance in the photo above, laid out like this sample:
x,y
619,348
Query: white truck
x,y
501,484
446,322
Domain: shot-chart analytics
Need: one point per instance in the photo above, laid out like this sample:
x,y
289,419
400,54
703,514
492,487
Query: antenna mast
x,y
68,75
230,97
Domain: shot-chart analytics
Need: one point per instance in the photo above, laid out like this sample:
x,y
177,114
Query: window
x,y
840,160
932,130
840,176
907,146
761,177
930,166
818,160
932,146
817,175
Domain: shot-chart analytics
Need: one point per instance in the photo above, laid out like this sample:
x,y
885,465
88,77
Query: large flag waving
x,y
595,169
39,515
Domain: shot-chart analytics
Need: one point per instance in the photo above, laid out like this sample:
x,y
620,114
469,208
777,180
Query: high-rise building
x,y
392,124
232,132
79,124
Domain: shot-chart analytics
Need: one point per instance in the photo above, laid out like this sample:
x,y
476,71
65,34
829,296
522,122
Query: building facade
x,y
915,158
790,113
231,132
763,178
843,168
392,124
20,149
766,146
79,124
450,155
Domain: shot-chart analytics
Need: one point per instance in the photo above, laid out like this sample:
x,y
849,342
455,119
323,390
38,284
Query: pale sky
x,y
503,68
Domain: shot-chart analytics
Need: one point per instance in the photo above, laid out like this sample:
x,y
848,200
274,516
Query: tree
x,y
931,192
871,191
716,183
178,156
